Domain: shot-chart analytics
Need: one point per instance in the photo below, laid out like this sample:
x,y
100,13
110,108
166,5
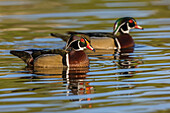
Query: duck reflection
x,y
74,78
51,81
125,60
76,82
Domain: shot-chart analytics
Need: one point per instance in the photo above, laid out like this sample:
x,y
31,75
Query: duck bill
x,y
90,47
138,27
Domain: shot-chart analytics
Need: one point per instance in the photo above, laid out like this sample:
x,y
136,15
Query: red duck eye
x,y
130,21
82,40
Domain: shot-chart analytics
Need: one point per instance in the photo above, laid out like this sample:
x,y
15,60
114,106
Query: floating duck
x,y
120,38
72,56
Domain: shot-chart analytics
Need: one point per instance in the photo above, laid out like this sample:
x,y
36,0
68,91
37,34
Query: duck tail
x,y
63,37
24,55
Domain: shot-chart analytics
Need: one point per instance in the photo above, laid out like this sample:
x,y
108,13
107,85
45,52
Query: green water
x,y
141,87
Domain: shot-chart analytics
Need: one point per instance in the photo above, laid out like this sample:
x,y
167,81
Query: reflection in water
x,y
27,23
74,80
124,60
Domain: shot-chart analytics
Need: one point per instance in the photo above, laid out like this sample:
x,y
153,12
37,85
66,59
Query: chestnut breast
x,y
78,59
125,40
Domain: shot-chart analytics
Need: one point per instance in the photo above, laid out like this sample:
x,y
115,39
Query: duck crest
x,y
124,25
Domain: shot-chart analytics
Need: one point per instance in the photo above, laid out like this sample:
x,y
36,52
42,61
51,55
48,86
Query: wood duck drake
x,y
72,56
120,38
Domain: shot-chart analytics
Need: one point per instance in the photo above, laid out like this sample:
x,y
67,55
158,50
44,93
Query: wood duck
x,y
72,56
119,39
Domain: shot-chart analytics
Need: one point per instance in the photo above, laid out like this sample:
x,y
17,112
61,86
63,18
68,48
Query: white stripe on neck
x,y
67,60
118,44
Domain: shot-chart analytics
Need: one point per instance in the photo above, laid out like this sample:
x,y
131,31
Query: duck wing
x,y
93,34
90,34
29,55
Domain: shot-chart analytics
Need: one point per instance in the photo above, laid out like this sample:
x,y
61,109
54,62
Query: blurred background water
x,y
137,81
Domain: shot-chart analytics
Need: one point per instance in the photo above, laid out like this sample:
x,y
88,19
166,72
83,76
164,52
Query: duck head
x,y
124,25
79,42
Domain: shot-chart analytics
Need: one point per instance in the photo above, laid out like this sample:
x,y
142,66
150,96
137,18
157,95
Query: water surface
x,y
135,81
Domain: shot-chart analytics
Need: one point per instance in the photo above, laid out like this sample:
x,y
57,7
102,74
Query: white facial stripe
x,y
115,26
128,29
119,28
128,26
80,48
134,20
69,44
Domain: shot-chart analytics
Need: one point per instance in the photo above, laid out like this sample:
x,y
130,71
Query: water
x,y
135,82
